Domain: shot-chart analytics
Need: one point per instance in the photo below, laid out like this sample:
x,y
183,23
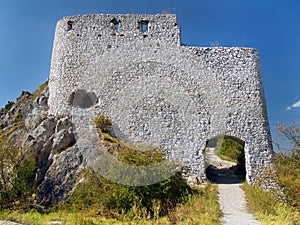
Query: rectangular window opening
x,y
143,26
117,25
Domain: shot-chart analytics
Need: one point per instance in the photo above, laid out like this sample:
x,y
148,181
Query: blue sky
x,y
273,27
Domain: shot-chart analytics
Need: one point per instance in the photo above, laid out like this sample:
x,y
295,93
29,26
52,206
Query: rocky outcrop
x,y
50,138
9,117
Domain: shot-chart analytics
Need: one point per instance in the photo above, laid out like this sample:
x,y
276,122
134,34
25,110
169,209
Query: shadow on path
x,y
223,175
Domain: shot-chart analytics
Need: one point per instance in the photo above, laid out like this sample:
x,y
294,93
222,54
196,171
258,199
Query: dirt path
x,y
231,197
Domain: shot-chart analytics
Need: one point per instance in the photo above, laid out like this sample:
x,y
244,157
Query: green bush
x,y
116,199
8,106
17,166
287,162
270,207
17,177
288,176
103,123
231,150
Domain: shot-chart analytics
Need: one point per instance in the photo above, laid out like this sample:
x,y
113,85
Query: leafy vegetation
x,y
97,200
17,165
138,201
269,209
200,208
287,163
267,205
17,168
122,150
232,150
8,106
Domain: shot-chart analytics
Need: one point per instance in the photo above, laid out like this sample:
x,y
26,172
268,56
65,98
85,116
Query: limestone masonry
x,y
157,91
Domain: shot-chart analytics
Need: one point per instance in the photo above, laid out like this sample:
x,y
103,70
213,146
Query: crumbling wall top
x,y
104,27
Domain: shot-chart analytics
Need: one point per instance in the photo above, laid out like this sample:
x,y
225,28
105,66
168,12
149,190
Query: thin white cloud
x,y
295,105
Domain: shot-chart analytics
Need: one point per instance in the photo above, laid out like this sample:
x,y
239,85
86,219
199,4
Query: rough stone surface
x,y
38,110
9,117
53,140
3,222
156,90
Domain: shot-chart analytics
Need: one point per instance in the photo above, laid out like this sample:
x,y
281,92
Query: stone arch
x,y
239,140
223,171
225,82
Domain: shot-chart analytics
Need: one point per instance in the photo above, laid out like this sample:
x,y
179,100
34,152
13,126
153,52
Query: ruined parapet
x,y
133,68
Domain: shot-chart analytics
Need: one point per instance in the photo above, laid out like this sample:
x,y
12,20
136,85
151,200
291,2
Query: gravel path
x,y
233,205
231,197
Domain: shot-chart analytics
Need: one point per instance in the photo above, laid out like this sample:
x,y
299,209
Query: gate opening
x,y
225,160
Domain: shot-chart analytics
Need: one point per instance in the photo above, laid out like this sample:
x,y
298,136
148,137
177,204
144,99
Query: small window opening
x,y
69,25
116,23
143,26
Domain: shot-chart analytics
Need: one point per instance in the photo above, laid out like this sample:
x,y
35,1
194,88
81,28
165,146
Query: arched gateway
x,y
134,69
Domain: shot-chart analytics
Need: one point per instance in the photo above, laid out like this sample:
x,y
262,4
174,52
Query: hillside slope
x,y
26,126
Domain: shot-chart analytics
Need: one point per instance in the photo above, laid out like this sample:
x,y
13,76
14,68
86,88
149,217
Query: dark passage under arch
x,y
229,169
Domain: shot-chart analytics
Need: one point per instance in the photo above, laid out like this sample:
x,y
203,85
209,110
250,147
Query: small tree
x,y
290,134
17,167
288,161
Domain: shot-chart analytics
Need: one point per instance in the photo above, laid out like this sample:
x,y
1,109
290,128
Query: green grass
x,y
231,150
268,209
201,208
288,176
280,206
97,200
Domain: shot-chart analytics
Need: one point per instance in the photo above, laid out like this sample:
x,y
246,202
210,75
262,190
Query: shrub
x,y
17,177
228,149
116,199
8,106
287,163
17,166
269,206
288,177
103,123
231,150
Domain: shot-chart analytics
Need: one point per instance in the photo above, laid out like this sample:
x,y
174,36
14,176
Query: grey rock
x,y
63,139
2,112
45,130
38,110
2,222
18,109
60,177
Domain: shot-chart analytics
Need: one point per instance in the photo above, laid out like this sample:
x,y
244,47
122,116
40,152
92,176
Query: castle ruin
x,y
158,91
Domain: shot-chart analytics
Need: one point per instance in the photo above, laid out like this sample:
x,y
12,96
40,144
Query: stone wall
x,y
157,92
